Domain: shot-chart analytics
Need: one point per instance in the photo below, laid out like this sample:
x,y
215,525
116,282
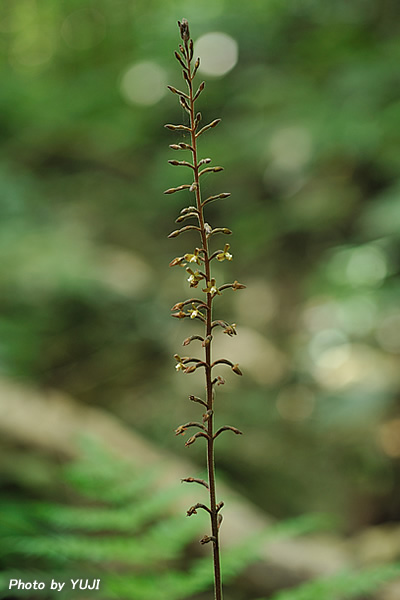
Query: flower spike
x,y
197,264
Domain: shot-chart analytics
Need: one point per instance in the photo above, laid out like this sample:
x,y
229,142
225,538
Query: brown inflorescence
x,y
194,308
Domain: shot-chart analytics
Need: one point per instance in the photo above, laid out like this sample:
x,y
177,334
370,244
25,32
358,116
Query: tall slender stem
x,y
201,256
209,387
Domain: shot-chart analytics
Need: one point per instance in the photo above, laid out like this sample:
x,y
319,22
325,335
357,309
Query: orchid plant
x,y
198,267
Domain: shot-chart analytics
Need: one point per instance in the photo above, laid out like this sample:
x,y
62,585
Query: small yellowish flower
x,y
212,288
179,364
194,312
230,330
193,258
194,277
179,260
225,254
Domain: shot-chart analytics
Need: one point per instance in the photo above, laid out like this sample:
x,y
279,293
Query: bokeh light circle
x,y
218,53
144,83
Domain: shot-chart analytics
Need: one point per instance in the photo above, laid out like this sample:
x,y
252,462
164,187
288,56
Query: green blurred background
x,y
308,93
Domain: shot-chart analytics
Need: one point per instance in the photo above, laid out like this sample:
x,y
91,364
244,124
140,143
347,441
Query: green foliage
x,y
114,523
343,586
117,525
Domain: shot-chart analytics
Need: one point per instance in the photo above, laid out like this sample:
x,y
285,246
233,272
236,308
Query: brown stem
x,y
209,389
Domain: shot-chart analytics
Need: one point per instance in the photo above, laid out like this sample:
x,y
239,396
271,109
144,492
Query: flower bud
x,y
178,306
184,30
178,58
196,66
175,91
184,104
198,400
177,127
206,539
179,260
188,209
236,369
179,315
238,286
177,189
201,88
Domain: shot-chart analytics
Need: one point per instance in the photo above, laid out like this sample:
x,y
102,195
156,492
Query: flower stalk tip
x,y
184,29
